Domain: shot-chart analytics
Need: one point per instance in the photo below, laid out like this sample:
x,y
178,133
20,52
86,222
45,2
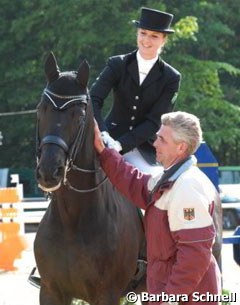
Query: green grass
x,y
225,292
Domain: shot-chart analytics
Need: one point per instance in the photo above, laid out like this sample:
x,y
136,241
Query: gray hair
x,y
186,128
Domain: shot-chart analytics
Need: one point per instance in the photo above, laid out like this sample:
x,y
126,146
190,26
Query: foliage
x,y
202,94
226,292
204,48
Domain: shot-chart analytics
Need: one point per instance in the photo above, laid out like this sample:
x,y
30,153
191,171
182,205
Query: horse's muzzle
x,y
49,179
50,169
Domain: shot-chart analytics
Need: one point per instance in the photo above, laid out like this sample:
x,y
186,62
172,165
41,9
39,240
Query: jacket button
x,y
136,97
133,118
134,107
130,127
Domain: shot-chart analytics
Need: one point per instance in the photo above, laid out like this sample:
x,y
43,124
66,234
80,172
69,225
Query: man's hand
x,y
98,142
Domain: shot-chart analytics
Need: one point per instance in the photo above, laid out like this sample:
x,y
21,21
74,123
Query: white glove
x,y
110,142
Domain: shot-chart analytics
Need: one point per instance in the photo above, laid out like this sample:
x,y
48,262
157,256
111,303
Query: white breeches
x,y
135,158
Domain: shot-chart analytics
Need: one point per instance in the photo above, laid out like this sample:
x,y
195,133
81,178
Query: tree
x,y
73,30
210,73
204,49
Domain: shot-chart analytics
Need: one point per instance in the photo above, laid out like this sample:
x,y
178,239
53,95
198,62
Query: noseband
x,y
77,143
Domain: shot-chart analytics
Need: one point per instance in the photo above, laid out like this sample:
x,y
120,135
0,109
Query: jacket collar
x,y
170,176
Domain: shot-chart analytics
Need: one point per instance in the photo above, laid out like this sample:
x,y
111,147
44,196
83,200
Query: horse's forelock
x,y
66,84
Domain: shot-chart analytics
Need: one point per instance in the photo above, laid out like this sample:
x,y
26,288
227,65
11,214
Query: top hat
x,y
155,20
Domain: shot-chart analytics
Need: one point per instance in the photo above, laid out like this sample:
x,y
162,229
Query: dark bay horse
x,y
88,242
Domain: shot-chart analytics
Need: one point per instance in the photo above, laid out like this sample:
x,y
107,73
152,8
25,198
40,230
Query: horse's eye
x,y
79,113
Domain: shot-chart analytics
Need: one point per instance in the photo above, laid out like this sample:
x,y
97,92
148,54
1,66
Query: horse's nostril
x,y
49,176
58,172
39,173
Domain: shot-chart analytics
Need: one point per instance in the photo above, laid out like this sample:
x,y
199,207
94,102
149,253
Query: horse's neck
x,y
73,207
86,157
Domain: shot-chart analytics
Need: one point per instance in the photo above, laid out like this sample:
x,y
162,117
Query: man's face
x,y
149,43
168,152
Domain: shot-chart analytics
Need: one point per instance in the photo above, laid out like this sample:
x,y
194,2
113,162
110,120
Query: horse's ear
x,y
51,68
83,74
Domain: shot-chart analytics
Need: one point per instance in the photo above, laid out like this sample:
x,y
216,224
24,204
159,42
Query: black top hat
x,y
155,20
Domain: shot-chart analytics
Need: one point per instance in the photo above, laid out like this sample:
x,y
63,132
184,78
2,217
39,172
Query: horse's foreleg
x,y
53,297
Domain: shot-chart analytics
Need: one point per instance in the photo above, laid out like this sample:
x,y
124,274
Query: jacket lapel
x,y
133,70
154,74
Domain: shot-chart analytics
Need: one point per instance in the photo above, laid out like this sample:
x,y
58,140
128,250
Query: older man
x,y
178,205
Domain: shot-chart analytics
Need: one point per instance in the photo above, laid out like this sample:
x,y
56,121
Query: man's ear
x,y
183,148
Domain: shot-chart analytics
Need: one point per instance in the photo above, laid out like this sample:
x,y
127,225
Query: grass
x,y
225,292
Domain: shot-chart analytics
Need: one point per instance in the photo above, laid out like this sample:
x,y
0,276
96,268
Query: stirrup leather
x,y
34,280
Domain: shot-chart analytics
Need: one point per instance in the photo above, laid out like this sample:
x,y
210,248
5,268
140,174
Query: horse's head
x,y
61,122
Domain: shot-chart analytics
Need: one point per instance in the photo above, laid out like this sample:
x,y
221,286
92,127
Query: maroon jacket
x,y
179,242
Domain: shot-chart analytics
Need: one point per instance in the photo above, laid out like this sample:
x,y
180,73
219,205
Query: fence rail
x,y
235,241
34,209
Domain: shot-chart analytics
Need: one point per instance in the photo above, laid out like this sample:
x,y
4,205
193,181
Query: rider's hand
x,y
110,142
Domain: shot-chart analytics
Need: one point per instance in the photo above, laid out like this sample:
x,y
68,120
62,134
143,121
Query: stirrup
x,y
138,277
34,280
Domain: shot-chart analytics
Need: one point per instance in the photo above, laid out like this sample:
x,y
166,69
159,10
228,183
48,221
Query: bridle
x,y
70,152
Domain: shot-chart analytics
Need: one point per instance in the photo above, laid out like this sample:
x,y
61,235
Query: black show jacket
x,y
135,116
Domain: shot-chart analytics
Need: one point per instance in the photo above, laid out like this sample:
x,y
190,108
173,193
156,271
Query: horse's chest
x,y
71,251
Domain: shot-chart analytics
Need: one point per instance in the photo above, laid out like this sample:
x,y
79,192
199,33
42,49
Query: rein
x,y
77,143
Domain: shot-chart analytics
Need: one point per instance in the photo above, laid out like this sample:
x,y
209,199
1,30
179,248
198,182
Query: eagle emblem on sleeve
x,y
188,213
